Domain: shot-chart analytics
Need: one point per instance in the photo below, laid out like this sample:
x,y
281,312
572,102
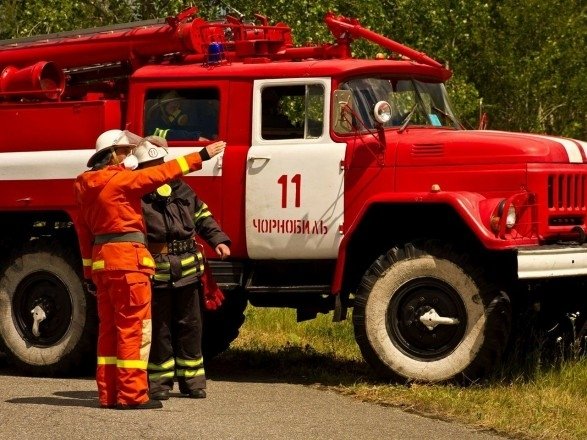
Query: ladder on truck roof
x,y
135,42
16,42
36,65
189,34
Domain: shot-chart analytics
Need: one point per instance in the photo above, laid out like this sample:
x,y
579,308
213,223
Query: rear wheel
x,y
427,314
47,322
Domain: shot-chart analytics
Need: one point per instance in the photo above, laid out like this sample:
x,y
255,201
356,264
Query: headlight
x,y
510,220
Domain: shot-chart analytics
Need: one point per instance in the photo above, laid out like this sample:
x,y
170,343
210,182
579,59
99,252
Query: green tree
x,y
532,69
24,18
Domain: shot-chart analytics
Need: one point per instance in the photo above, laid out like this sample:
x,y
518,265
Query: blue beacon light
x,y
215,52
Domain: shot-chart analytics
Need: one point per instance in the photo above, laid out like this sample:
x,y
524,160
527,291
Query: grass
x,y
549,404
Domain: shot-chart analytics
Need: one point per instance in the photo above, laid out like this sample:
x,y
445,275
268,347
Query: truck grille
x,y
560,207
566,192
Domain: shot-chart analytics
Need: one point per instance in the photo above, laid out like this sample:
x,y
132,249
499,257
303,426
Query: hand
x,y
215,148
222,251
90,287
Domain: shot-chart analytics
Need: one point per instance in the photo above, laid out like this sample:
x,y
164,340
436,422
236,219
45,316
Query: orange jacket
x,y
110,202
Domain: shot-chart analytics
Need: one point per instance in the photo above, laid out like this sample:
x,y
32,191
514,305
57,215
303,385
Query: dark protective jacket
x,y
174,217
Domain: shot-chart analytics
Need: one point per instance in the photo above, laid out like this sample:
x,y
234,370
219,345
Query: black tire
x,y
44,274
403,285
221,326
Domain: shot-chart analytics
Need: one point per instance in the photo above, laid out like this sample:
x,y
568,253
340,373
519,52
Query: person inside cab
x,y
169,119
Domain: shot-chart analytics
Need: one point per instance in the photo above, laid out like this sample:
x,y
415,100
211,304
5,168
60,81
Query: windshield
x,y
412,102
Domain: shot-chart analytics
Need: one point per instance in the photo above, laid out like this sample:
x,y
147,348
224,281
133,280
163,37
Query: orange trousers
x,y
124,337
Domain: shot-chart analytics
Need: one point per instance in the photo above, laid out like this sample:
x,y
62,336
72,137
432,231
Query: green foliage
x,y
531,65
525,61
37,17
465,100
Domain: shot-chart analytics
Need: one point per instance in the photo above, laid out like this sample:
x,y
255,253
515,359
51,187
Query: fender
x,y
468,205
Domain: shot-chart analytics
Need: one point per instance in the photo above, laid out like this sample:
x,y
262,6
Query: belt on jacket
x,y
174,247
118,237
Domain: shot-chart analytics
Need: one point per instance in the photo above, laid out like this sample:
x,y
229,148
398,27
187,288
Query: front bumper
x,y
552,261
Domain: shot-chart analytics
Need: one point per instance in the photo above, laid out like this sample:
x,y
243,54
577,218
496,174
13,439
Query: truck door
x,y
294,180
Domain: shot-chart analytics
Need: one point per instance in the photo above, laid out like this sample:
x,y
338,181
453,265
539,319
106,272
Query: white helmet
x,y
151,148
113,138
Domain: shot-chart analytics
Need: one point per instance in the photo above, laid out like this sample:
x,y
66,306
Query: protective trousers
x,y
177,340
124,336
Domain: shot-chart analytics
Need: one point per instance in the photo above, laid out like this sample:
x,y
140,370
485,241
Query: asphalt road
x,y
236,408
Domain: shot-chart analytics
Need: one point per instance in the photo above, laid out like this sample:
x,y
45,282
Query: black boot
x,y
198,393
149,404
160,395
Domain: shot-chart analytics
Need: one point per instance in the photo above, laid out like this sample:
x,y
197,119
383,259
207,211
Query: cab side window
x,y
182,114
292,112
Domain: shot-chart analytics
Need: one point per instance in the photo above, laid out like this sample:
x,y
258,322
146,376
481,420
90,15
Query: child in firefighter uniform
x,y
174,216
116,260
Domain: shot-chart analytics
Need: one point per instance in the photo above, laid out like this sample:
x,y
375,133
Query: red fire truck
x,y
345,183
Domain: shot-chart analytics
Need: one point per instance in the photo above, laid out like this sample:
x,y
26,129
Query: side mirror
x,y
382,112
342,115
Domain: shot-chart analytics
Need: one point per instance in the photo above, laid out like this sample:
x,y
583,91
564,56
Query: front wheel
x,y
47,322
427,314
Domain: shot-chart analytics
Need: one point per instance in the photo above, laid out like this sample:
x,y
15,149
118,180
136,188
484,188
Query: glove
x,y
213,296
90,287
213,300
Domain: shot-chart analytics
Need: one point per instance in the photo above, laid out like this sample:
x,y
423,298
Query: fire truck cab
x,y
345,184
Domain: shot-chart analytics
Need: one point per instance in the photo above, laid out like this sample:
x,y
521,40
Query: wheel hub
x,y
426,319
431,319
42,309
39,316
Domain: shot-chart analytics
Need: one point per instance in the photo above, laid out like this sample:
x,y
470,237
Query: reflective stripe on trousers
x,y
191,367
164,370
124,336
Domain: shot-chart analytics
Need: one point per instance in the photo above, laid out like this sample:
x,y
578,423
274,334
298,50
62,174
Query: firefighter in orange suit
x,y
174,215
115,259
